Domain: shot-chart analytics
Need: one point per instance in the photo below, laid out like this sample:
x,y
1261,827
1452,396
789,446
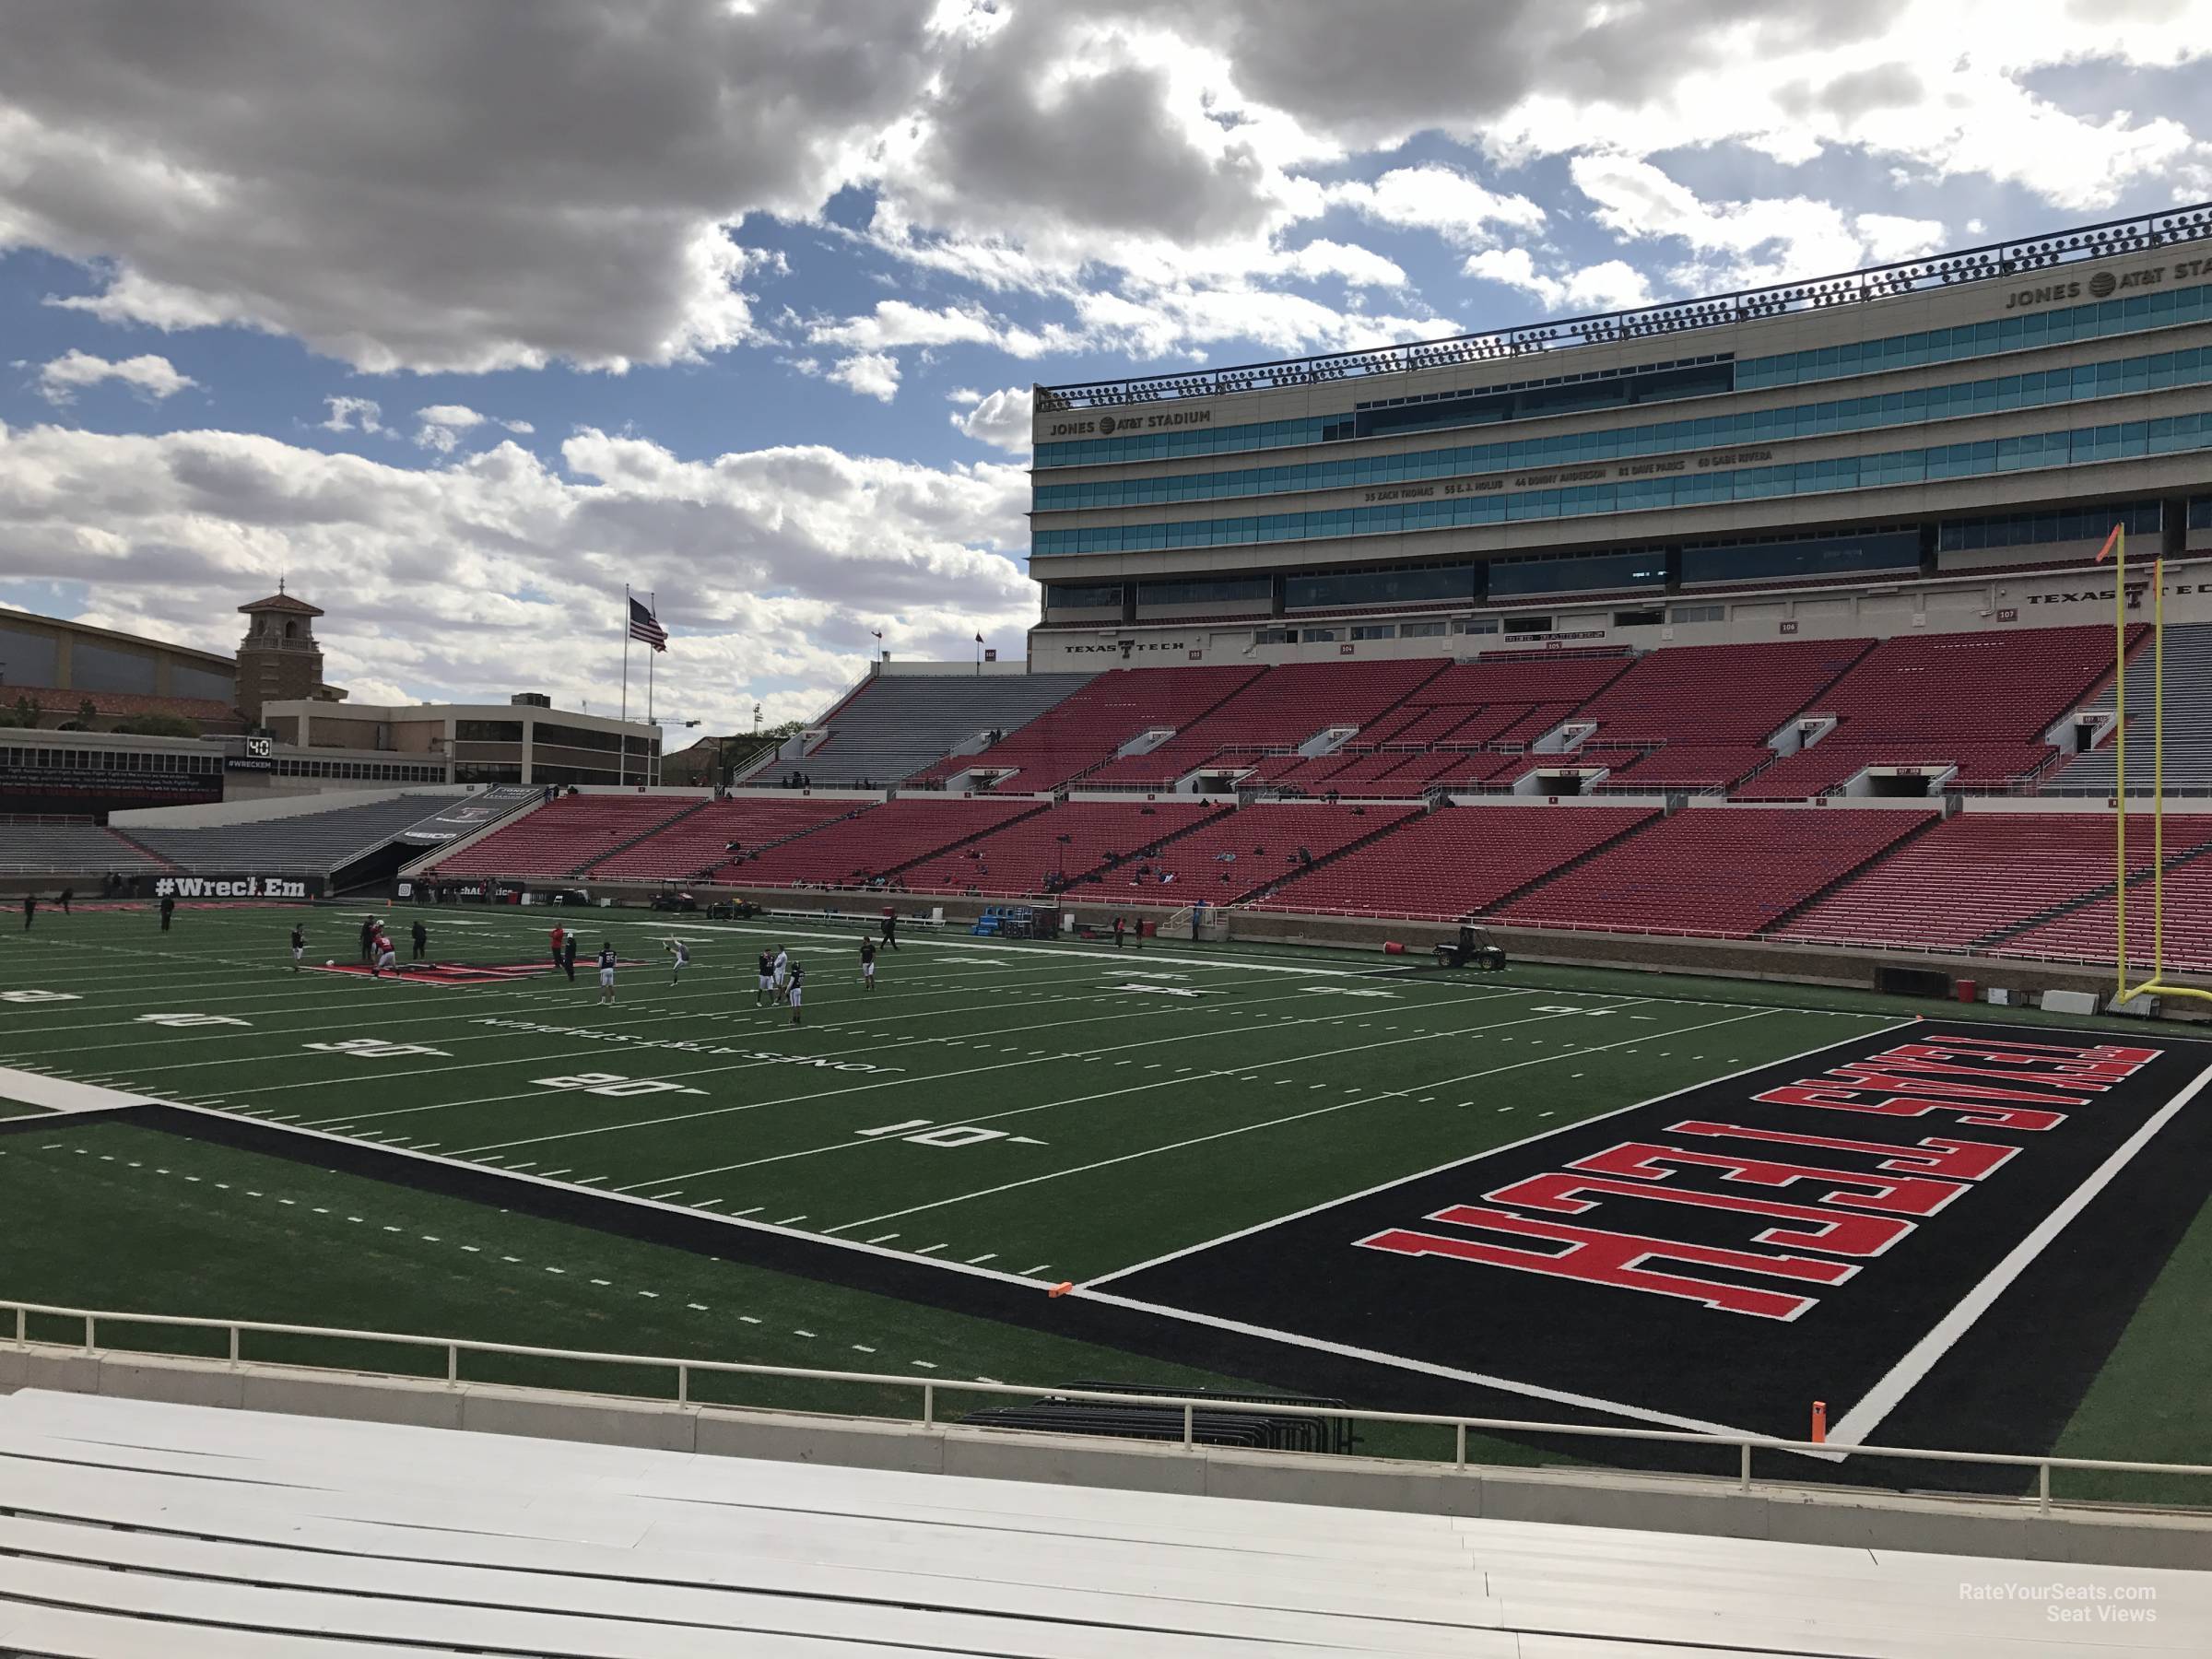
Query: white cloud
x,y
1441,199
403,198
1355,266
1001,418
475,189
353,414
152,377
870,373
1742,245
493,573
1610,285
442,425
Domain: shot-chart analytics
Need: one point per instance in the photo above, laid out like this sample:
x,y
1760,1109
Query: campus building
x,y
1917,445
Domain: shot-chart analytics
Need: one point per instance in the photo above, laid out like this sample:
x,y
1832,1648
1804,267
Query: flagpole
x,y
625,716
651,767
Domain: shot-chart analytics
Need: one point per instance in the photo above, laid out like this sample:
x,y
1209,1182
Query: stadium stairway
x,y
1369,839
1198,859
645,834
1727,872
139,847
2104,894
1581,858
1927,822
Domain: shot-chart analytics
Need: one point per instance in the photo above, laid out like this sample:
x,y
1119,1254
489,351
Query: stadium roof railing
x,y
2022,257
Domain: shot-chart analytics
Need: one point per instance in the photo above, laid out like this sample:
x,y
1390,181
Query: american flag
x,y
645,626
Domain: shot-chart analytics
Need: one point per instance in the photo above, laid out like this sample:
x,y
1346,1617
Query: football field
x,y
1237,1155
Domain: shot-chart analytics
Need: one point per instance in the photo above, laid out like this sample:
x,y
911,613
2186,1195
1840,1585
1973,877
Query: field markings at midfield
x,y
948,1076
931,941
753,1064
1292,1118
1109,1094
1867,1415
451,1008
654,1013
1382,1186
857,1088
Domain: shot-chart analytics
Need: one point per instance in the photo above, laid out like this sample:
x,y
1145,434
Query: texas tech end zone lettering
x,y
1727,1254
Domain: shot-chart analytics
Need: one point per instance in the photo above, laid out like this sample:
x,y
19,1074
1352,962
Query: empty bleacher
x,y
2088,934
697,842
139,1528
566,834
1984,701
897,724
1069,845
1453,863
1718,694
70,850
1980,874
1829,766
2188,723
304,842
880,842
1085,728
1281,708
1726,872
1677,765
1259,847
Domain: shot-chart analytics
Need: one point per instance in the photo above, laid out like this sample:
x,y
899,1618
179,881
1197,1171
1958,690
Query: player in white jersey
x,y
678,949
781,970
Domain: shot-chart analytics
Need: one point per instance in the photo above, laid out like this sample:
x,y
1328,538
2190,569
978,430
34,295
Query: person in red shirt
x,y
558,935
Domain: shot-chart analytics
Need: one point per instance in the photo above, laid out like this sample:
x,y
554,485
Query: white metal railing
x,y
929,1388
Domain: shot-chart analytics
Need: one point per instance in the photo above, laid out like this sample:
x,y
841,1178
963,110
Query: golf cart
x,y
1474,950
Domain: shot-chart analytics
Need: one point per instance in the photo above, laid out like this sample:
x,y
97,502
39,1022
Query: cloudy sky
x,y
463,315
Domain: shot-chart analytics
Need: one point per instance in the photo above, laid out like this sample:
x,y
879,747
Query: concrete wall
x,y
1781,1512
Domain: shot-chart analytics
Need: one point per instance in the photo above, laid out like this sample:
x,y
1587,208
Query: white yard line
x,y
1106,1279
1275,1122
910,1079
848,1145
919,1045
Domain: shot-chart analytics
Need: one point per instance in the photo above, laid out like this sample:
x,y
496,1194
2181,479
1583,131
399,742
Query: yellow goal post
x,y
2115,547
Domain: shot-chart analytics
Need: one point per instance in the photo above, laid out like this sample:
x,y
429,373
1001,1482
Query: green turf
x,y
1085,1126
1089,1126
2148,1403
103,1214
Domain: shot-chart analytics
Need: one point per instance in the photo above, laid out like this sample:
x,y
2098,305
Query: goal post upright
x,y
2155,984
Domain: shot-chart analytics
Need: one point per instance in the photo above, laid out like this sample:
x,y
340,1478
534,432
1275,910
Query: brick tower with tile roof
x,y
279,660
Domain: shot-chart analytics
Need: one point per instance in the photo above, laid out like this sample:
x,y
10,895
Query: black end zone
x,y
1739,1250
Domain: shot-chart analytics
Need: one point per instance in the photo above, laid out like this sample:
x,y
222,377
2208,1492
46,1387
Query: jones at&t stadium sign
x,y
1821,1229
1106,426
242,886
2102,284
